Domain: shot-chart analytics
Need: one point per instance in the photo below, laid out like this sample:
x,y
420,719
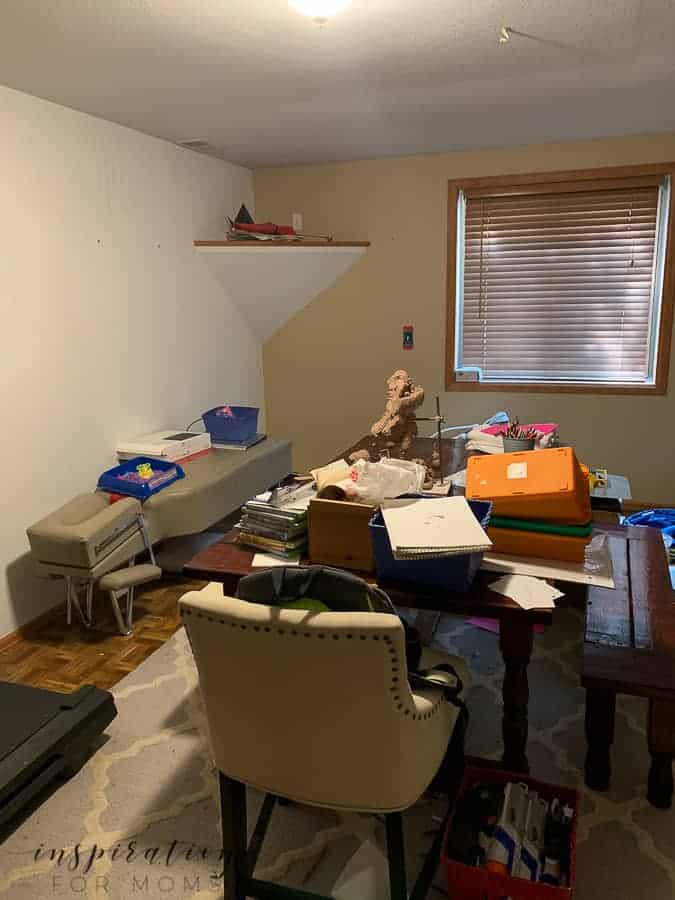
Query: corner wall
x,y
111,324
325,371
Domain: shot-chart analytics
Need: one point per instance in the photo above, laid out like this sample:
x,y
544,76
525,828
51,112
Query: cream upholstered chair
x,y
314,707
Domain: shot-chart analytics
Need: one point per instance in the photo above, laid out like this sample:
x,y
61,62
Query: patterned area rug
x,y
141,817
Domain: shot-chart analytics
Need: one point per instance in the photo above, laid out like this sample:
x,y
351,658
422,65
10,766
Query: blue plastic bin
x,y
231,424
452,573
124,479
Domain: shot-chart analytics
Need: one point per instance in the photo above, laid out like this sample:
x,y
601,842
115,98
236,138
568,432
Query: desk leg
x,y
661,738
515,641
600,714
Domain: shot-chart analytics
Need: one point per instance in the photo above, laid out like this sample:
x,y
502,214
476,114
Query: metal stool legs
x,y
124,621
74,588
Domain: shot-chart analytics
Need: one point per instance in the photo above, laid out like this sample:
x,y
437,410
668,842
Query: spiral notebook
x,y
427,528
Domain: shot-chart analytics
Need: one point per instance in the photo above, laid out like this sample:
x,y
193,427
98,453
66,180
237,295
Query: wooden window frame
x,y
551,182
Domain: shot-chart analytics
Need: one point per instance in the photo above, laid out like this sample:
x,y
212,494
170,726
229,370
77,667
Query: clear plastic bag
x,y
597,558
372,482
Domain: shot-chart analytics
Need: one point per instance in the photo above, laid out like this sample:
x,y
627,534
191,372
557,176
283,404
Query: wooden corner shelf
x,y
272,281
295,245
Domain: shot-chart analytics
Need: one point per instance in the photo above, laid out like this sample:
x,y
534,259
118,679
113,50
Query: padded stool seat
x,y
123,579
123,582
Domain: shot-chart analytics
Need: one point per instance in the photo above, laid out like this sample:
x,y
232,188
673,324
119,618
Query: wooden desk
x,y
227,562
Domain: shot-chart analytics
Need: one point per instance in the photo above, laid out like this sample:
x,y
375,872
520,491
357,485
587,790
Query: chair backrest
x,y
314,706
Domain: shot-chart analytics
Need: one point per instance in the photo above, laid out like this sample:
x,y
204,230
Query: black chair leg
x,y
233,813
396,856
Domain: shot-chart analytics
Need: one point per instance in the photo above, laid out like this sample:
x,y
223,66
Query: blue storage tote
x,y
125,479
452,573
231,424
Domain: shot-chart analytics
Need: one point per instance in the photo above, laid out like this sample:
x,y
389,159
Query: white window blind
x,y
561,282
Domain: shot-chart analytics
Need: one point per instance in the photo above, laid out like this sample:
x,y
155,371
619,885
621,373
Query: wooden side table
x,y
629,648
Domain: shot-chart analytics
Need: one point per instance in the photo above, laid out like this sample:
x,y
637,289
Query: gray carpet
x,y
150,787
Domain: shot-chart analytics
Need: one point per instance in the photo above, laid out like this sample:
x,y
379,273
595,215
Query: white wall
x,y
110,323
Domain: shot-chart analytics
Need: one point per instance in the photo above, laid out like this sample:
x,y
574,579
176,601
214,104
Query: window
x,y
561,281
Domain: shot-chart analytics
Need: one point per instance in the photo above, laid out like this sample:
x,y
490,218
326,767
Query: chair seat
x,y
123,579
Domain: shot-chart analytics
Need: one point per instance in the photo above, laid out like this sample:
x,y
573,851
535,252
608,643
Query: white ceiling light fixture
x,y
320,11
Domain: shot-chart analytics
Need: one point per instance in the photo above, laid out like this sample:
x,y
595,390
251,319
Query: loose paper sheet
x,y
548,568
528,592
267,561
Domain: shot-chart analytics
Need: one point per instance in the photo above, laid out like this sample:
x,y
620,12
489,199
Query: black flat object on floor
x,y
43,734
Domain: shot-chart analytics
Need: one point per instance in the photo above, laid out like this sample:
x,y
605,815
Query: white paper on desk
x,y
267,560
298,499
526,591
549,568
438,489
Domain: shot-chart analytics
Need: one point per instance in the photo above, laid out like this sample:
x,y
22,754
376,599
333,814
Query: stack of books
x,y
239,445
274,527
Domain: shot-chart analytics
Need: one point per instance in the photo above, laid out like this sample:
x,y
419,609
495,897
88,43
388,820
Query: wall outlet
x,y
297,222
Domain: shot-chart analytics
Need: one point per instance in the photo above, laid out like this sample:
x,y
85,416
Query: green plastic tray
x,y
546,527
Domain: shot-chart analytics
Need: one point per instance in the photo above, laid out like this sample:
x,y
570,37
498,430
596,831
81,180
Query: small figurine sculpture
x,y
396,429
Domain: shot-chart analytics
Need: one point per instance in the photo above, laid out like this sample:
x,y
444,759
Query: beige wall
x,y
325,370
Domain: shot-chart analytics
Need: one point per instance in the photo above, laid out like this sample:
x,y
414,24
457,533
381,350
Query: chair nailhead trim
x,y
394,689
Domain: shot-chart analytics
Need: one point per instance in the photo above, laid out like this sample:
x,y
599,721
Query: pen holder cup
x,y
515,445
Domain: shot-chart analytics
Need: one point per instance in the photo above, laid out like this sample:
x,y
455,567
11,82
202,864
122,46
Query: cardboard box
x,y
339,535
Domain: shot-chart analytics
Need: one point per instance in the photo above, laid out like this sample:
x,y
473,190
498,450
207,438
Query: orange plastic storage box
x,y
538,544
534,484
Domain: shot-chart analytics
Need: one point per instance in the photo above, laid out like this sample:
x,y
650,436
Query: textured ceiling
x,y
266,86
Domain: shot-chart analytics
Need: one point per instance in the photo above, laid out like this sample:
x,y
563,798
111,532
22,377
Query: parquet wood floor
x,y
59,657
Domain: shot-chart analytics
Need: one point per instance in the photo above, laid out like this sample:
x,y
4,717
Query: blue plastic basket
x,y
452,573
231,424
124,479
